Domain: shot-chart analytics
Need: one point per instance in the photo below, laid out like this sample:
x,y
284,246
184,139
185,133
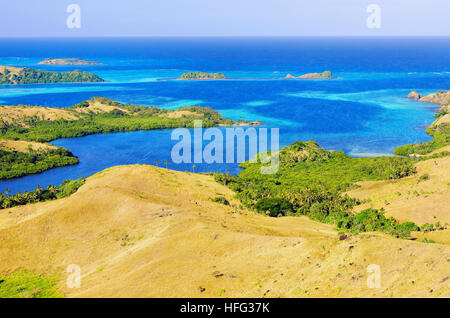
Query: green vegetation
x,y
311,181
439,131
202,76
221,200
9,75
124,118
441,134
274,206
374,220
65,189
442,112
14,164
23,284
428,227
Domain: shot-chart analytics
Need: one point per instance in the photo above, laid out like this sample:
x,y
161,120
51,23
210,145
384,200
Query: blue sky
x,y
32,18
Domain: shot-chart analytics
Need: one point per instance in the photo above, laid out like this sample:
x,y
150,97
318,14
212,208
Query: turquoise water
x,y
363,111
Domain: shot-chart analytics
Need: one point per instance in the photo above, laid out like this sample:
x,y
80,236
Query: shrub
x,y
274,206
310,181
221,200
24,284
66,188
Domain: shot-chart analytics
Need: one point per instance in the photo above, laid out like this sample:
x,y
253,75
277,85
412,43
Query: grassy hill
x,y
143,231
422,198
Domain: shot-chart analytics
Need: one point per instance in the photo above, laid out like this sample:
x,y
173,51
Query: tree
x,y
274,206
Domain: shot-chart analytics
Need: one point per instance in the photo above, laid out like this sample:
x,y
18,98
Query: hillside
x,y
143,231
422,198
25,75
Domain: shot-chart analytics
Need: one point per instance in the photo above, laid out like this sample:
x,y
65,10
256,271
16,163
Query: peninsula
x,y
24,130
68,61
24,75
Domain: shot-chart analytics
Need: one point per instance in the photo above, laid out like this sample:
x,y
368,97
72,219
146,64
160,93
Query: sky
x,y
48,18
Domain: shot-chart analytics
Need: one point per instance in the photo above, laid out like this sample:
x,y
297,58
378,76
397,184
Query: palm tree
x,y
157,162
193,168
52,189
38,190
165,162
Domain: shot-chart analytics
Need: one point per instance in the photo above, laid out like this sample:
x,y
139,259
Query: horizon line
x,y
222,36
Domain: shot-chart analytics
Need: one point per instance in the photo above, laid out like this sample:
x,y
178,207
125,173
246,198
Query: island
x,y
201,76
323,75
24,75
68,61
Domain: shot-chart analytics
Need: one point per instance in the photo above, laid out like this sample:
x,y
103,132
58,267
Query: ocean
x,y
363,111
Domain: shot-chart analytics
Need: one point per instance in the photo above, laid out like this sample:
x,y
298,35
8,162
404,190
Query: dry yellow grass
x,y
181,113
23,146
13,70
410,198
19,114
97,107
142,231
443,119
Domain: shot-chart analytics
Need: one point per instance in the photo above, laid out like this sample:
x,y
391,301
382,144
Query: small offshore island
x,y
68,61
202,76
323,75
24,75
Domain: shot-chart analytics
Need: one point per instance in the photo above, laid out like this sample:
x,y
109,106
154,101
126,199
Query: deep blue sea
x,y
363,111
